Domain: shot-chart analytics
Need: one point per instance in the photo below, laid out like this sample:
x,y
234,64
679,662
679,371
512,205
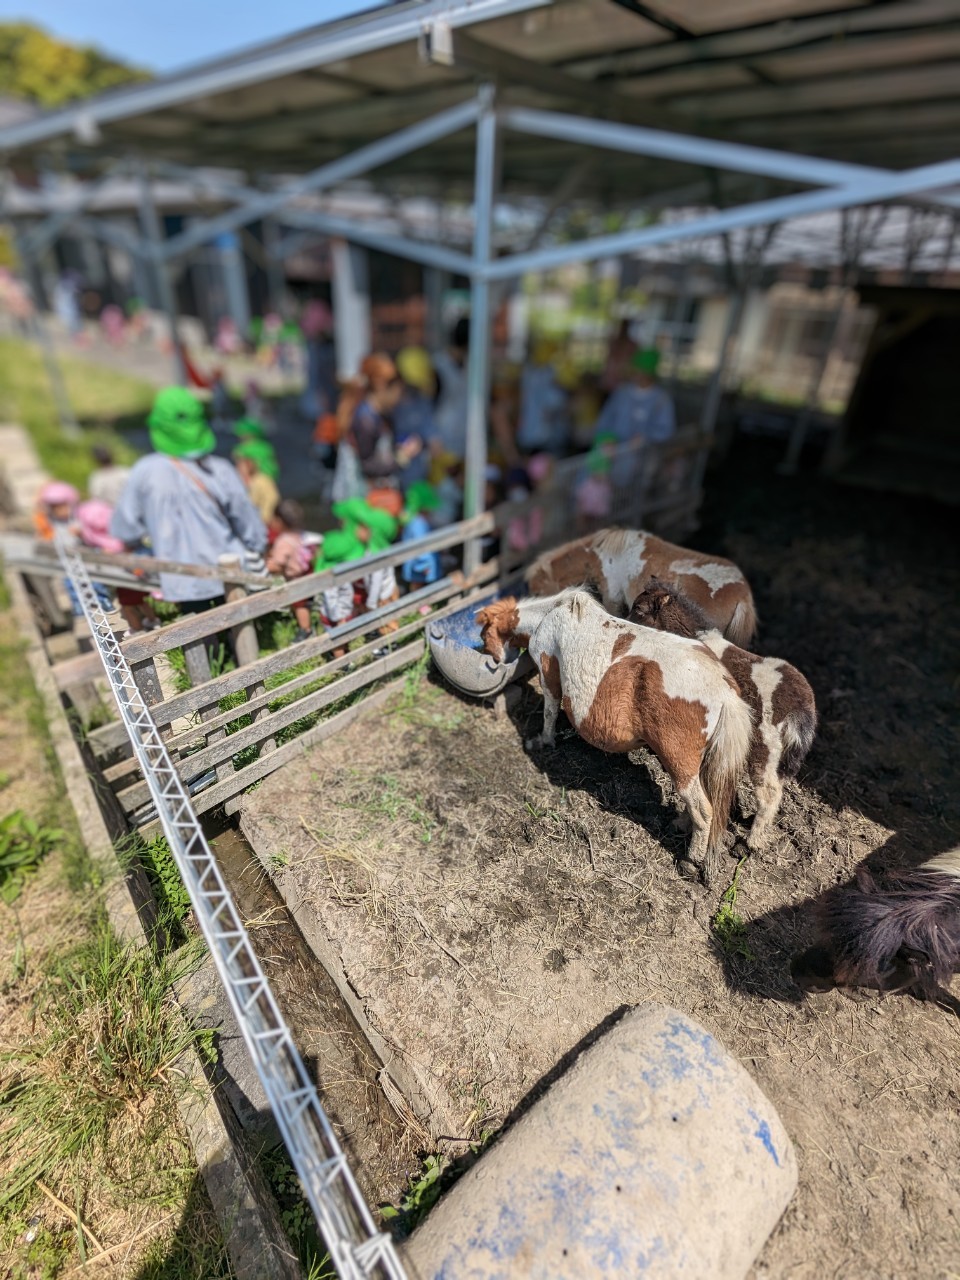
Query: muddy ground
x,y
492,910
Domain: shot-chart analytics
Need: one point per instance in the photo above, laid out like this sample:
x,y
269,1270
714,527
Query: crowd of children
x,y
393,441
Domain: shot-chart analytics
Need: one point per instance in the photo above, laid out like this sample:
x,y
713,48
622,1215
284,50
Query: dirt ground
x,y
494,909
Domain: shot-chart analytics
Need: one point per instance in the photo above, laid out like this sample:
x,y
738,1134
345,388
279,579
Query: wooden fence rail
x,y
213,750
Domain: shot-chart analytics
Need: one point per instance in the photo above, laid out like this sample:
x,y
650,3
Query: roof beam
x,y
770,37
261,204
687,149
331,43
875,189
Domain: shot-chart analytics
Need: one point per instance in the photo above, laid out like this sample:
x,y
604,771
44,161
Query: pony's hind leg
x,y
701,815
769,795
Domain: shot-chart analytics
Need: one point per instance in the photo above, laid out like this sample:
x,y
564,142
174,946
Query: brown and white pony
x,y
618,564
782,702
623,686
896,930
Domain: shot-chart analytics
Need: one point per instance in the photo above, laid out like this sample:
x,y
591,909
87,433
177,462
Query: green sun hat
x,y
178,425
249,429
339,546
382,525
262,453
646,360
421,496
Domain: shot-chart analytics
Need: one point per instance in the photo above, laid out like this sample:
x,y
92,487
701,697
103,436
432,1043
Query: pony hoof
x,y
688,870
534,744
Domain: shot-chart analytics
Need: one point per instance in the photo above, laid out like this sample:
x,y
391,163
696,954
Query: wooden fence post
x,y
246,646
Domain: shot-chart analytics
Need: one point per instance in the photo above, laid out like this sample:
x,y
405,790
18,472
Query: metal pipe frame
x,y
353,165
328,224
687,149
883,187
478,360
153,236
357,1249
381,28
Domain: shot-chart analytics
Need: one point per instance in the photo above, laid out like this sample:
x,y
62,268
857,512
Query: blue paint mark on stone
x,y
765,1136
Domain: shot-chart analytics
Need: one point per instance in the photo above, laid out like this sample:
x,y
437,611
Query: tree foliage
x,y
50,72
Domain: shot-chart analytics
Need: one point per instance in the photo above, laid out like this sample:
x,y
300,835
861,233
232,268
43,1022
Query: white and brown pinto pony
x,y
624,686
780,697
618,564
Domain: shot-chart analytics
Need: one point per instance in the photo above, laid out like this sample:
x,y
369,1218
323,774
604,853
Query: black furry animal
x,y
896,930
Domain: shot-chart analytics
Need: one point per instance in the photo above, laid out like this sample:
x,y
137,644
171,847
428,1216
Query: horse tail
x,y
797,732
724,759
742,626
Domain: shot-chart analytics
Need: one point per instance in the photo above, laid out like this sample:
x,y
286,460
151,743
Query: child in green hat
x,y
422,501
259,470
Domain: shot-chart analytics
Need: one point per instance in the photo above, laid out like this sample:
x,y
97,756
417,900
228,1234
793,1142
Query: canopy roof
x,y
874,83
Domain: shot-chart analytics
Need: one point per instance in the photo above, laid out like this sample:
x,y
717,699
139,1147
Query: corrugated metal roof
x,y
875,83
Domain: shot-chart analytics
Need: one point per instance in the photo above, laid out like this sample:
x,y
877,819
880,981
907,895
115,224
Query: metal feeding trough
x,y
455,647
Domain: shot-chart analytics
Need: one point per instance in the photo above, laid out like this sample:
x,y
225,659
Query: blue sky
x,y
164,34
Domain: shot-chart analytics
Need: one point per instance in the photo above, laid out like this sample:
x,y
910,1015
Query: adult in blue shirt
x,y
640,407
191,506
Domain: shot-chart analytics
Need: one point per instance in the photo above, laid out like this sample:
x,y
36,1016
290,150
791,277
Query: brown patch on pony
x,y
621,645
793,701
550,674
572,565
631,709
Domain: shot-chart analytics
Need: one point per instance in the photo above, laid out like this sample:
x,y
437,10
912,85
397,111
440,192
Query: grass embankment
x,y
104,402
95,1170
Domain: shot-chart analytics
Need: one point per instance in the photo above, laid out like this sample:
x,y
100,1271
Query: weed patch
x,y
729,927
296,1215
24,843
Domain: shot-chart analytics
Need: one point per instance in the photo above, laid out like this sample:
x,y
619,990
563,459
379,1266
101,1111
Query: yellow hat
x,y
416,369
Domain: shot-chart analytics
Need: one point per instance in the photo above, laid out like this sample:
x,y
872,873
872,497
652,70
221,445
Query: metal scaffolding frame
x,y
839,186
357,1248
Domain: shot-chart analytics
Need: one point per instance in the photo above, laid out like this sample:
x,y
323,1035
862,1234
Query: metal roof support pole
x,y
858,230
351,306
150,223
478,361
41,334
273,264
754,250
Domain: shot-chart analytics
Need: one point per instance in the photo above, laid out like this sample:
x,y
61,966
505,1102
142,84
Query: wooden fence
x,y
232,728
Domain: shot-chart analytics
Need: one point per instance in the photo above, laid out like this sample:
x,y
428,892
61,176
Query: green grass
x,y
103,401
24,843
388,800
108,1032
88,1075
729,927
